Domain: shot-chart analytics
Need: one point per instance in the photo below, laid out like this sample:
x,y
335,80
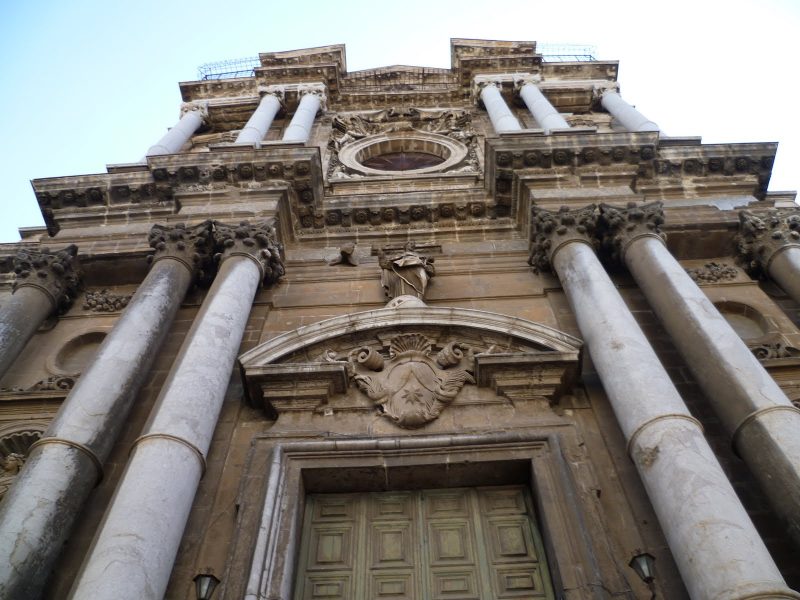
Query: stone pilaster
x,y
67,461
750,404
46,283
714,543
769,245
135,548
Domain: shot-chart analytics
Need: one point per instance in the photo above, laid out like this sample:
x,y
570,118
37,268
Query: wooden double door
x,y
442,544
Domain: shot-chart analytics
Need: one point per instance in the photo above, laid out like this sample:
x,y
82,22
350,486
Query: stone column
x,y
631,119
770,245
65,464
45,283
715,545
501,117
545,113
260,121
760,418
193,115
312,97
133,552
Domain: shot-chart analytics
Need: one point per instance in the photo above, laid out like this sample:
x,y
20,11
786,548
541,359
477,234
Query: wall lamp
x,y
205,584
645,567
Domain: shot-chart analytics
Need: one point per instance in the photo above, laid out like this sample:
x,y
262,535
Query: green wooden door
x,y
445,544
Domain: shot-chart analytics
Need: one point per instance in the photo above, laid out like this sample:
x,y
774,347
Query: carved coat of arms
x,y
411,388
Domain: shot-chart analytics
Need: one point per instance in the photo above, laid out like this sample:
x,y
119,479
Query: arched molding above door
x,y
517,358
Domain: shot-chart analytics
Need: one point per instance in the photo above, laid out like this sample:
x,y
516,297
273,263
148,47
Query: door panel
x,y
446,544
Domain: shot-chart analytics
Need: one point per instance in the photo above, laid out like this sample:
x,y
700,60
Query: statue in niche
x,y
405,273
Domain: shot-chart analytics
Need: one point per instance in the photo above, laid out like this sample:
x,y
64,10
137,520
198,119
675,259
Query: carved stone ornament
x,y
55,273
256,240
347,256
411,388
760,237
712,272
191,245
551,230
454,124
15,442
620,226
105,301
773,348
405,273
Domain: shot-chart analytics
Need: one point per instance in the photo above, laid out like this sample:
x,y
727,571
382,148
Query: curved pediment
x,y
301,369
518,332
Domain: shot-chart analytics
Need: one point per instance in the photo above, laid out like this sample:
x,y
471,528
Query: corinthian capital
x,y
317,89
623,225
54,273
200,107
256,241
192,246
761,238
599,89
554,229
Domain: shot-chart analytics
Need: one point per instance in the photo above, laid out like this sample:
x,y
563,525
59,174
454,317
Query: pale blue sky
x,y
88,83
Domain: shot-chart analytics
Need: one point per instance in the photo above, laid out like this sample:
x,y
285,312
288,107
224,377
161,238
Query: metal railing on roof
x,y
227,69
245,67
566,52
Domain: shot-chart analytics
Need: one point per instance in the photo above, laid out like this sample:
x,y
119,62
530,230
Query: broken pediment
x,y
409,364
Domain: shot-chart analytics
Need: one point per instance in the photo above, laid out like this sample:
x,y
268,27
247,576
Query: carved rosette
x,y
552,230
411,388
712,272
257,241
192,246
760,238
105,301
621,226
54,273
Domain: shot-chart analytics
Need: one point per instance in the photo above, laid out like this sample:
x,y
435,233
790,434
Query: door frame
x,y
267,542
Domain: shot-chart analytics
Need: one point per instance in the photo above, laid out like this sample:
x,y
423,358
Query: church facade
x,y
482,332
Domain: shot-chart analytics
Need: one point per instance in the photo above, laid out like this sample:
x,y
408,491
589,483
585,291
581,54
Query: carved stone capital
x,y
54,273
191,246
318,89
761,238
621,226
553,229
256,241
521,79
279,91
599,89
200,107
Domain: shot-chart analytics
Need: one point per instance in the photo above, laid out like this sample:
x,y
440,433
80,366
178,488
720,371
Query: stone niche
x,y
410,365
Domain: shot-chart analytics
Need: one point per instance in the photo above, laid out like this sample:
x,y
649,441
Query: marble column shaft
x,y
65,465
134,550
545,113
44,283
299,129
631,119
175,138
260,121
752,407
715,545
499,114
